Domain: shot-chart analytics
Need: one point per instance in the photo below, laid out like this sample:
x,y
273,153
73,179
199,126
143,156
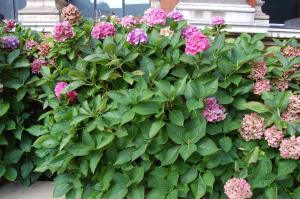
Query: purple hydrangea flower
x,y
217,21
176,15
137,36
10,42
128,21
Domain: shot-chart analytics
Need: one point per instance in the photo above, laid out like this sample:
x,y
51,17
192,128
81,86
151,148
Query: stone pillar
x,y
41,14
238,14
261,19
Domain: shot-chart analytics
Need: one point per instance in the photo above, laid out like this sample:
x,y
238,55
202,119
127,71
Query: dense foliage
x,y
152,108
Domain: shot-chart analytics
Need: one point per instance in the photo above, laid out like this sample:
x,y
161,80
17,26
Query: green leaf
x,y
171,156
254,155
176,133
109,46
209,178
124,156
10,174
146,108
272,192
4,106
207,147
37,130
199,188
258,107
147,66
286,167
61,189
136,193
97,58
26,168
131,57
189,176
79,118
187,150
2,170
193,104
155,127
176,117
94,160
262,181
79,149
13,56
225,143
104,139
13,156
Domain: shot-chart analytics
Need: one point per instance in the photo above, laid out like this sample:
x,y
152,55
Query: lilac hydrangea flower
x,y
10,42
155,16
217,21
137,36
213,112
176,15
128,21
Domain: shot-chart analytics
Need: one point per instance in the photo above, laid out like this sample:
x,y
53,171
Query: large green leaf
x,y
207,147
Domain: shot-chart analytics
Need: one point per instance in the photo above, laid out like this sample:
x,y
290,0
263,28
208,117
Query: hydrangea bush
x,y
152,107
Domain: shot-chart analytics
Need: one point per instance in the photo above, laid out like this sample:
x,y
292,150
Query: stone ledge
x,y
39,190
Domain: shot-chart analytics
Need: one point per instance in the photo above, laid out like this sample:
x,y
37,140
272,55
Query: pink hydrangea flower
x,y
154,16
281,84
261,86
128,21
213,112
237,188
273,136
63,31
102,30
290,148
137,36
30,44
252,127
176,15
70,14
71,95
259,70
43,49
293,110
9,24
217,21
36,65
189,30
196,43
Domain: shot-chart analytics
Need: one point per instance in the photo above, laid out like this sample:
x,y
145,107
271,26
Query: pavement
x,y
38,190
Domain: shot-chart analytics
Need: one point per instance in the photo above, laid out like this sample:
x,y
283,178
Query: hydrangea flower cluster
x,y
196,43
115,19
291,52
273,136
9,24
154,16
290,148
43,49
36,65
63,31
10,42
102,30
176,15
137,36
70,14
217,21
30,44
261,86
129,21
252,127
166,32
189,30
293,110
280,84
71,95
213,112
258,70
237,188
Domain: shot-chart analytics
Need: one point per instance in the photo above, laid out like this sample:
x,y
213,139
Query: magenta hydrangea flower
x,y
258,71
261,86
217,21
30,44
36,65
189,30
128,21
154,16
176,15
273,136
10,42
213,112
290,148
237,188
137,36
71,95
252,127
63,31
102,30
196,43
9,24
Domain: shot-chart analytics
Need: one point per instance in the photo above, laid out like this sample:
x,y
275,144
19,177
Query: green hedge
x,y
136,129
